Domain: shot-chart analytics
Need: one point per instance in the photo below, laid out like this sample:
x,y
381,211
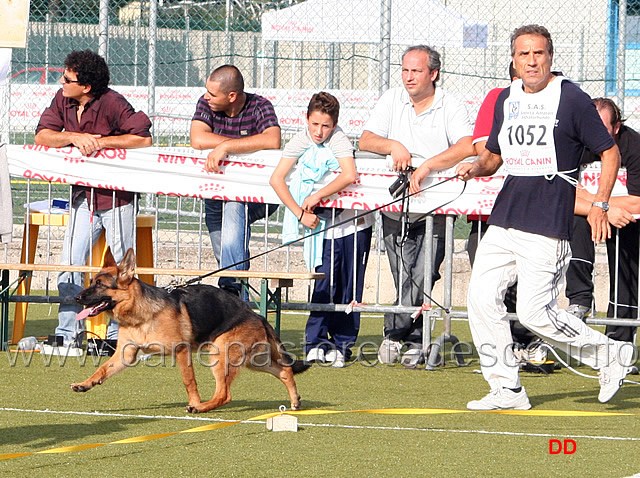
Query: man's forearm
x,y
584,200
53,139
202,138
251,144
374,143
126,141
630,203
206,140
452,156
60,139
608,173
487,164
582,206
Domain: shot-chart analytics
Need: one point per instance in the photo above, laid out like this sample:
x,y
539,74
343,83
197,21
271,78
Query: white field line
x,y
327,425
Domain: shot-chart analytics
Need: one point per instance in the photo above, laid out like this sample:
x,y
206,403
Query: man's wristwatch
x,y
603,205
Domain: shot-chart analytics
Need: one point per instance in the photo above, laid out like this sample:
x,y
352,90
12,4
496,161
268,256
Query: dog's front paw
x,y
297,405
80,387
193,409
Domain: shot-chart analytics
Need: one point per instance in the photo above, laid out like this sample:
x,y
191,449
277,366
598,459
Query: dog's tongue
x,y
84,313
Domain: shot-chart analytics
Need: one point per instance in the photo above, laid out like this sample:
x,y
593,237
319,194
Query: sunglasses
x,y
68,80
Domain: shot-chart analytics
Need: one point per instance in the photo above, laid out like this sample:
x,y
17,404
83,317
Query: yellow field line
x,y
379,411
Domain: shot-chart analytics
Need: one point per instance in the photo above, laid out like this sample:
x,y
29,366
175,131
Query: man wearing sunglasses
x,y
87,114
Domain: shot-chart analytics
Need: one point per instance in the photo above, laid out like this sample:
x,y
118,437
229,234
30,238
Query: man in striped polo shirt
x,y
232,122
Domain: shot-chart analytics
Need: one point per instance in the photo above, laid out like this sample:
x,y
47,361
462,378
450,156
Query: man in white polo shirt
x,y
418,125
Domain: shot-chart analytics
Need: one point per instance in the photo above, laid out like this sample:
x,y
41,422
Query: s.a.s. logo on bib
x,y
514,109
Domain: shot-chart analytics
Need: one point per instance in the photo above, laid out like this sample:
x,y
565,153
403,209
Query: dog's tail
x,y
289,360
285,358
300,366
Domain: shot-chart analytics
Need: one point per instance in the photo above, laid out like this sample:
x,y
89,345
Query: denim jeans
x,y
229,225
82,232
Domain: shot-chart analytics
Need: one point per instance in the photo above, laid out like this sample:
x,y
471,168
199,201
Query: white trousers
x,y
539,264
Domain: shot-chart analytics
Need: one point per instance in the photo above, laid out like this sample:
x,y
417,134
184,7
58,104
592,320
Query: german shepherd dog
x,y
153,320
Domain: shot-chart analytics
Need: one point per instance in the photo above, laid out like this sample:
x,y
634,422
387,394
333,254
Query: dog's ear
x,y
127,267
109,261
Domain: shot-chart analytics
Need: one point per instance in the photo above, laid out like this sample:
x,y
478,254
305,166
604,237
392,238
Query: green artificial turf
x,y
38,411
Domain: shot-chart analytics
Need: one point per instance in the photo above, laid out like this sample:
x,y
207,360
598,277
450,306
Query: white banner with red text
x,y
180,172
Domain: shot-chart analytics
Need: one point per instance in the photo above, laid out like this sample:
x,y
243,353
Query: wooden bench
x,y
270,294
32,224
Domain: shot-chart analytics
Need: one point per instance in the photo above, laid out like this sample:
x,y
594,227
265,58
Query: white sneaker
x,y
335,358
411,358
502,399
612,375
316,355
389,351
535,352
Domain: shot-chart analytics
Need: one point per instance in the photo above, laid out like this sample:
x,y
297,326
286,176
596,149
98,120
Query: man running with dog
x,y
541,125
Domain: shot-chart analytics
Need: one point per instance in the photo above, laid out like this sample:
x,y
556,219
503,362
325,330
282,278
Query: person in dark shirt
x,y
87,114
522,337
232,121
622,247
541,125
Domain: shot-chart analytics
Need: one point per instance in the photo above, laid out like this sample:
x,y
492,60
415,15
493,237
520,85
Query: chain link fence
x,y
160,52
